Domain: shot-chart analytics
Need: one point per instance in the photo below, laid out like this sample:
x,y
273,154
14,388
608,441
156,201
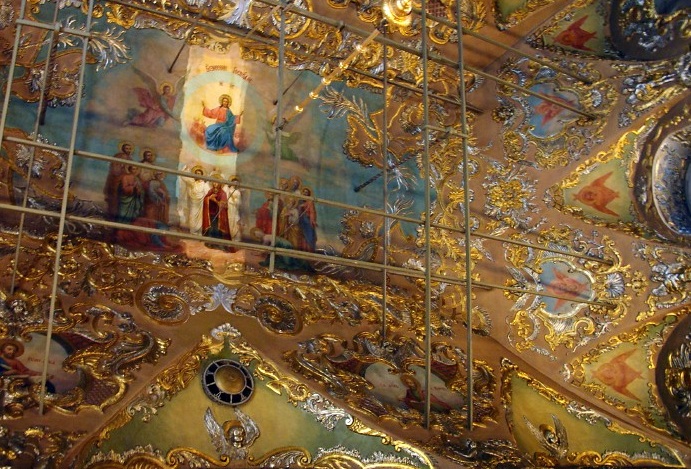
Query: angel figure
x,y
551,438
233,437
158,101
288,139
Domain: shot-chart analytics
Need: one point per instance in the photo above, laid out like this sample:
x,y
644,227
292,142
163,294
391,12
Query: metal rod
x,y
297,77
385,171
449,130
36,24
63,208
40,116
336,73
385,189
278,142
434,57
466,217
194,24
47,72
5,108
411,273
283,6
339,24
332,203
10,74
427,171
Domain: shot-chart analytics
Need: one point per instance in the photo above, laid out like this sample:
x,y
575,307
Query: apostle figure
x,y
157,198
264,214
215,214
115,171
130,195
234,201
307,221
193,193
146,174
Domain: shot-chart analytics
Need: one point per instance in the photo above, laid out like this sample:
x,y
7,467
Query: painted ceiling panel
x,y
250,234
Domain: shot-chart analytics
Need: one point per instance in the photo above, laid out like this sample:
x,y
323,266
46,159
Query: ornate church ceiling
x,y
345,233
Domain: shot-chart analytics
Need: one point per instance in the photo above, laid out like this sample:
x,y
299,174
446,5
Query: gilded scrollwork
x,y
557,135
285,308
401,18
95,346
94,350
648,30
514,211
332,458
570,324
670,275
480,454
672,375
170,303
648,87
36,446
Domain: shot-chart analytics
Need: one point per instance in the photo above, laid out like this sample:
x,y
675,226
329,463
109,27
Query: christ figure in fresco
x,y
220,136
11,365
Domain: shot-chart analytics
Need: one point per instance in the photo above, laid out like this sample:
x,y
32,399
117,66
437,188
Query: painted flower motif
x,y
614,285
220,296
509,195
367,229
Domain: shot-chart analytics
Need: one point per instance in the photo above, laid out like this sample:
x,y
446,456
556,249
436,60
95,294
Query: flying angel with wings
x,y
551,438
157,99
233,437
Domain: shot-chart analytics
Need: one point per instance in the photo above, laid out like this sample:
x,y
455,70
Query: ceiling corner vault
x,y
345,233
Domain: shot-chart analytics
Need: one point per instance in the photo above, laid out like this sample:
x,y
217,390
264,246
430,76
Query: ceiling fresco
x,y
300,234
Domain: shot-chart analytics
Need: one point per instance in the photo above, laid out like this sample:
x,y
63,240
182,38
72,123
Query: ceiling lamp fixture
x,y
398,12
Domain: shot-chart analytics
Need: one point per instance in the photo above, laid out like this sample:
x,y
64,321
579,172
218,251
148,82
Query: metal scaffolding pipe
x,y
339,24
40,115
427,168
278,124
385,190
466,216
433,57
63,208
366,265
382,213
